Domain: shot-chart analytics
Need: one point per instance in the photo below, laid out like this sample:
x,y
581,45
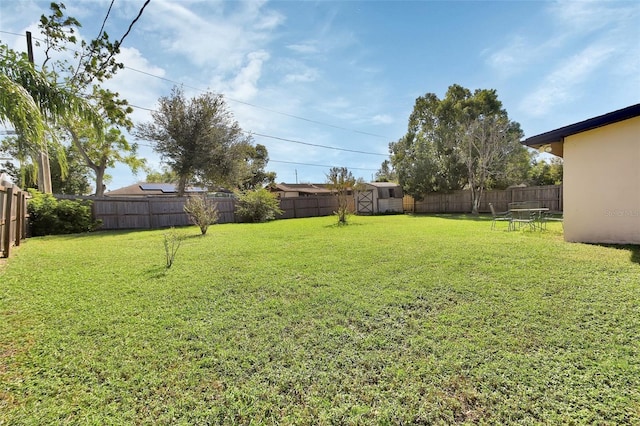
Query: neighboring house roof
x,y
303,188
145,189
557,136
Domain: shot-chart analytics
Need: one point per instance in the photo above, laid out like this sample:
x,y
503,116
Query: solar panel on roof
x,y
164,187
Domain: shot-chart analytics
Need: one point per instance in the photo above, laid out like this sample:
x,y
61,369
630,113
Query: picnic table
x,y
527,216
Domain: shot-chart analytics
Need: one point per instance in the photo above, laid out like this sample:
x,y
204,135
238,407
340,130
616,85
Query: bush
x,y
257,206
49,216
201,213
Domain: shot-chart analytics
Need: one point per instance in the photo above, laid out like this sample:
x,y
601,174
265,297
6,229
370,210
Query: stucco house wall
x,y
601,176
602,184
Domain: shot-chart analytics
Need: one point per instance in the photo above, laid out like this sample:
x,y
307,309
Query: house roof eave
x,y
558,135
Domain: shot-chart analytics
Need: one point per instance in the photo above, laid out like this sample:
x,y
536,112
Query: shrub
x,y
49,216
257,206
201,213
172,242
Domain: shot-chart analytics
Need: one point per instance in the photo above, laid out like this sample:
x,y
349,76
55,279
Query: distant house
x,y
145,189
287,190
379,197
601,176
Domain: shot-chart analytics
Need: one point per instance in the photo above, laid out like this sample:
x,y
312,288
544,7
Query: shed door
x,y
365,202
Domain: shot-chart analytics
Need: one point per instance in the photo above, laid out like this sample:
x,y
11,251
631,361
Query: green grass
x,y
389,320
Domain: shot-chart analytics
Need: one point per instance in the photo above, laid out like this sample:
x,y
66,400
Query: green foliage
x,y
259,205
198,139
165,176
172,242
386,173
399,320
71,179
49,216
255,176
341,181
52,101
201,212
546,173
464,139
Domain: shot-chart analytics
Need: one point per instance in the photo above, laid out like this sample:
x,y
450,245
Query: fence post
x,y
19,216
7,222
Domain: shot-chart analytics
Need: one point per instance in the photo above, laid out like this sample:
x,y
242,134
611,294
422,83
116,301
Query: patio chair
x,y
499,217
551,216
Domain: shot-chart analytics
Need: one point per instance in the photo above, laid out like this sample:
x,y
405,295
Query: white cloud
x,y
304,48
560,86
382,119
215,35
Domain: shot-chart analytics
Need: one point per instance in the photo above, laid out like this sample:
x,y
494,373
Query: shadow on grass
x,y
157,272
453,216
633,249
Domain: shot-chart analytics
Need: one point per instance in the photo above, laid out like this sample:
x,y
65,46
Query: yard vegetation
x,y
389,320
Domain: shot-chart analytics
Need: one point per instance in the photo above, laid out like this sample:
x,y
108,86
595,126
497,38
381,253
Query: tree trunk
x,y
99,181
182,184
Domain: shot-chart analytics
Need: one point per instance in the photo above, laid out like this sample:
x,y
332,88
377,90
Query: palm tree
x,y
32,99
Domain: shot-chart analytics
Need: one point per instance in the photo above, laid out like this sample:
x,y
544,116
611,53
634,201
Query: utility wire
x,y
319,165
91,50
297,117
292,140
119,43
318,145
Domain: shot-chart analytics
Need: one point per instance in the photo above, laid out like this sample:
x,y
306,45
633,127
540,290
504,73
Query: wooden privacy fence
x,y
162,212
13,217
460,201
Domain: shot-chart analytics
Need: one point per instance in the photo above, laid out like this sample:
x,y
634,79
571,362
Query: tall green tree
x,y
31,101
463,140
94,62
255,175
53,100
198,139
386,173
488,143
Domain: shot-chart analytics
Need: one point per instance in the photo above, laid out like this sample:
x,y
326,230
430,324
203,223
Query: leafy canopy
x,y
199,140
464,139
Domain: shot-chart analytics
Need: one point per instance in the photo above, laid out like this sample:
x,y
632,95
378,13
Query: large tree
x,y
488,143
94,62
63,99
463,140
198,139
31,100
255,175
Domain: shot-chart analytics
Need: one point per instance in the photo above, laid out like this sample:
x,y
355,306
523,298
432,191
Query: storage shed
x,y
379,197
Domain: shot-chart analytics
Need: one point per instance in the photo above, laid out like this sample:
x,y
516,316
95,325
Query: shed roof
x,y
558,135
384,184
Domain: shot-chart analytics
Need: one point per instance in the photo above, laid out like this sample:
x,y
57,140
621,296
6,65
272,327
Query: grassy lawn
x,y
389,320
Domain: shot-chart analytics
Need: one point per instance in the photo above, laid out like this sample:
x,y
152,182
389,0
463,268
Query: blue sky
x,y
345,74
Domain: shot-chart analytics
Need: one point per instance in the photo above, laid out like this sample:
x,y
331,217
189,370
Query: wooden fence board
x,y
13,217
161,212
460,201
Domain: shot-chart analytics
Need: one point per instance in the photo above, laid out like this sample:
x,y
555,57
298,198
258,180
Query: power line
x,y
297,117
293,140
319,165
318,145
